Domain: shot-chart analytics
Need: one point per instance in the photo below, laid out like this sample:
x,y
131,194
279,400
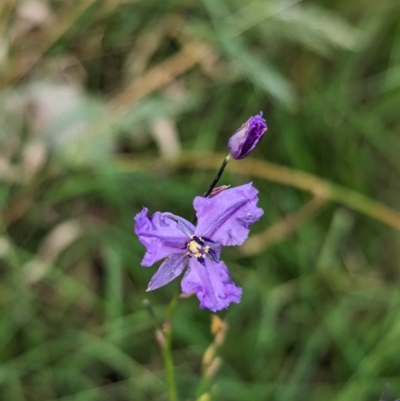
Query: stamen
x,y
197,247
198,240
213,255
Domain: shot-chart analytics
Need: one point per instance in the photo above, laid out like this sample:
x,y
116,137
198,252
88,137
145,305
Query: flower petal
x,y
211,283
161,234
171,268
184,226
226,217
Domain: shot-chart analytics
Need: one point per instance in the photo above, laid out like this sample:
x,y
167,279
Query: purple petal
x,y
184,226
211,283
247,137
226,217
162,234
171,268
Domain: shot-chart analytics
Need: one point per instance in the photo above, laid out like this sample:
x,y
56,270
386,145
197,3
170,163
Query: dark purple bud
x,y
247,137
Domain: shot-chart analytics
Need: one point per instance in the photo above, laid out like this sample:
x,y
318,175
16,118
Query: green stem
x,y
167,350
164,338
169,367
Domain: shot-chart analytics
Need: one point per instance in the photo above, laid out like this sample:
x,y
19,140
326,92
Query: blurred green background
x,y
109,106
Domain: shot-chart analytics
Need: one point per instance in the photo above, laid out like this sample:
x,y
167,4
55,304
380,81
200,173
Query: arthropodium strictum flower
x,y
222,220
247,137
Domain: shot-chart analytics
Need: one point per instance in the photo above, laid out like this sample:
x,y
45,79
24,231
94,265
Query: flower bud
x,y
247,137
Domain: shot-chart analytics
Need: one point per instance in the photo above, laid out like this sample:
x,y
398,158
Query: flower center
x,y
197,247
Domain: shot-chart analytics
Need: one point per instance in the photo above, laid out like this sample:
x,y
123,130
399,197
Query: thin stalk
x,y
164,339
217,177
167,349
169,367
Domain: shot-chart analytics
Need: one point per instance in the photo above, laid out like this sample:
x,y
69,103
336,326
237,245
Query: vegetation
x,y
109,106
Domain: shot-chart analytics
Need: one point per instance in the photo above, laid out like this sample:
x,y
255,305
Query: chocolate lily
x,y
247,137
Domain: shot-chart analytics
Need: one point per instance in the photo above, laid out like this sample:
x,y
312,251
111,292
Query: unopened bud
x,y
209,355
219,328
216,324
160,339
247,137
214,367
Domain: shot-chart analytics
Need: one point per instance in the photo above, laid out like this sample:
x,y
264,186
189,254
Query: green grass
x,y
319,319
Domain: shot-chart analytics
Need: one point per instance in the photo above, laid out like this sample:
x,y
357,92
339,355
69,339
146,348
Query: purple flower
x,y
223,220
247,137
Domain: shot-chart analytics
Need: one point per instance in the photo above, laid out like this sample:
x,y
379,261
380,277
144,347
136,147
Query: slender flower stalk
x,y
223,217
217,177
164,339
167,350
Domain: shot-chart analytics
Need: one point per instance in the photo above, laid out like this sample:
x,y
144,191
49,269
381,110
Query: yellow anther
x,y
197,248
194,247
